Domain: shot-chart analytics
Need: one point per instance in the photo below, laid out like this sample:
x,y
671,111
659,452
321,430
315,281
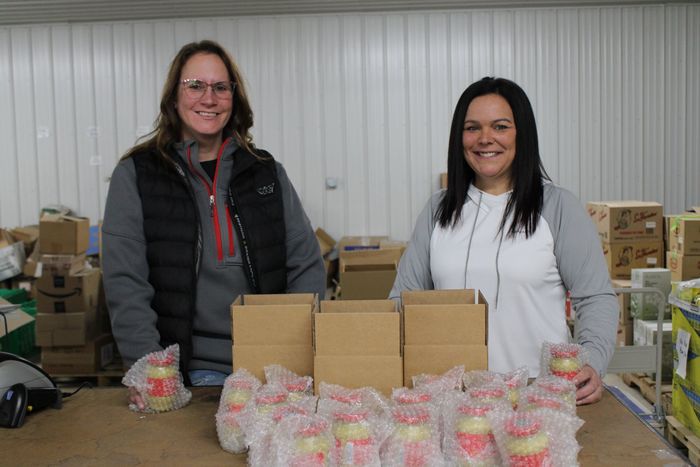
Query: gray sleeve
x,y
582,268
305,269
125,268
414,267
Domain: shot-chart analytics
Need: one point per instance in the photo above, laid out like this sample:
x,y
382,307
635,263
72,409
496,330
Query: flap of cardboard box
x,y
627,204
357,334
254,358
350,243
14,319
325,242
445,324
272,324
358,306
380,372
277,299
439,297
389,256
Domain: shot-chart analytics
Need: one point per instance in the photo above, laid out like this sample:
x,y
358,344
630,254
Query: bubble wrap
x,y
420,395
414,440
557,387
563,360
237,391
534,397
536,438
303,441
468,439
358,432
157,377
515,380
490,392
366,397
298,386
450,380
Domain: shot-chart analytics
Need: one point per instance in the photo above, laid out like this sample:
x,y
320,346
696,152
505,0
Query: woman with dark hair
x,y
197,215
502,227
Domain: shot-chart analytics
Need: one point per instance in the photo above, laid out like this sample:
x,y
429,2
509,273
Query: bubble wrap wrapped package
x,y
536,438
426,394
534,397
490,392
514,380
448,381
237,391
303,441
563,360
358,432
415,438
366,397
557,387
157,377
468,439
298,386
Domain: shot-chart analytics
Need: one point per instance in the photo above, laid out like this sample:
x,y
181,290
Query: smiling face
x,y
489,142
203,119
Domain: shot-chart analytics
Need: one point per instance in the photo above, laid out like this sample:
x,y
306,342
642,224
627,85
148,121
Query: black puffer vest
x,y
171,228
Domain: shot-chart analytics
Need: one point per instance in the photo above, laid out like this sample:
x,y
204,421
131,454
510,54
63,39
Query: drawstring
x,y
471,235
498,252
498,273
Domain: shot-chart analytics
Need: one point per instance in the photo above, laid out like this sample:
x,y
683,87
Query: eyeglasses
x,y
196,88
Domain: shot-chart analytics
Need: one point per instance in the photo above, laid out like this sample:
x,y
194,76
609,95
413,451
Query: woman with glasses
x,y
197,215
503,227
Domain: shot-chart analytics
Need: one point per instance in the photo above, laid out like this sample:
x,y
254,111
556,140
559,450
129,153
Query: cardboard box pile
x,y
625,327
270,329
368,267
69,324
444,329
357,343
683,255
631,233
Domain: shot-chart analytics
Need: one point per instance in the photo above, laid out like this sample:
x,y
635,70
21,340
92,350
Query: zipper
x,y
198,247
211,191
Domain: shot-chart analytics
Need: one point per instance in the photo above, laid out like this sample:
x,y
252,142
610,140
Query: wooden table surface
x,y
95,427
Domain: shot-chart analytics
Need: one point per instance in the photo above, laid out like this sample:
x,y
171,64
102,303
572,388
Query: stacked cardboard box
x,y
625,328
269,329
357,343
631,233
444,329
368,267
683,255
68,323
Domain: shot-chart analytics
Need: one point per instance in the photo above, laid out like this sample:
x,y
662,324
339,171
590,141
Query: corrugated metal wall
x,y
366,99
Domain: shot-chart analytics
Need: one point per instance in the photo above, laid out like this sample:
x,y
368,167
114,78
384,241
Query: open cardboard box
x,y
368,274
269,329
444,329
358,343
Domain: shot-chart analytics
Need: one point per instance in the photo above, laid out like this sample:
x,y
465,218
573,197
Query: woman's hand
x,y
589,386
136,398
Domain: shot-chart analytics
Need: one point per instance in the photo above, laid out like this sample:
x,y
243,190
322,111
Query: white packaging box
x,y
645,306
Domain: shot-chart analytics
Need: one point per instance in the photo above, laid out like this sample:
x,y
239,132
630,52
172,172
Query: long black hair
x,y
527,171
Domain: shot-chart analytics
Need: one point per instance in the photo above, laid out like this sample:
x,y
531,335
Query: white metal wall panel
x,y
367,100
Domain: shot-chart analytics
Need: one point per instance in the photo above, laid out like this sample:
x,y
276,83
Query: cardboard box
x,y
645,333
383,372
368,274
684,235
78,293
65,329
647,305
12,256
271,329
357,344
437,359
325,242
628,221
443,180
15,318
625,334
355,243
623,299
61,265
443,329
27,235
330,256
683,267
64,235
86,359
621,258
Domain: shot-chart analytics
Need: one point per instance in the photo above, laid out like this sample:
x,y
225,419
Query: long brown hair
x,y
168,127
